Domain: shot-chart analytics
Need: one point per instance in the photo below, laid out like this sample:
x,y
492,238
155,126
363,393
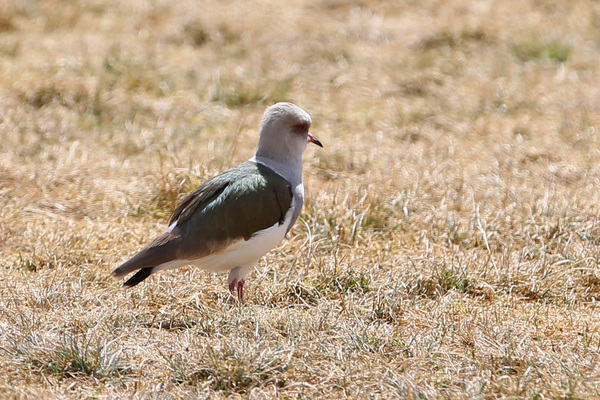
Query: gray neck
x,y
291,169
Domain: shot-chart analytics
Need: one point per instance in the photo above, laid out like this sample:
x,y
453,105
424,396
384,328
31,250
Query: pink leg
x,y
239,285
240,290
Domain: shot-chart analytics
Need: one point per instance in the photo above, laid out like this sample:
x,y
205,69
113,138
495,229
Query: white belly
x,y
242,253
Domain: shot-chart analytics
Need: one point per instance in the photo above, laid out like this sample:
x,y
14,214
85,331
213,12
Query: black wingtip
x,y
138,277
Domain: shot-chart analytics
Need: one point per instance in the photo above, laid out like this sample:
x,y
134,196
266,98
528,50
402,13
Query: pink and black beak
x,y
314,140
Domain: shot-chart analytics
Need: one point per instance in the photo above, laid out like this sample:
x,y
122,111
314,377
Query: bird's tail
x,y
137,278
146,265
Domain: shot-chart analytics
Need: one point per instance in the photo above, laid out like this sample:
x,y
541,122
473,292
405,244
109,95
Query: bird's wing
x,y
232,206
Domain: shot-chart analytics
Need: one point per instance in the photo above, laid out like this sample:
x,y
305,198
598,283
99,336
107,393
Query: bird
x,y
231,221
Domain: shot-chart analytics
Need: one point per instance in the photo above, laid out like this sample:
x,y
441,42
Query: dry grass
x,y
449,246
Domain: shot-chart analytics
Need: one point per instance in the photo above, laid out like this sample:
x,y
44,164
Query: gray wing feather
x,y
231,206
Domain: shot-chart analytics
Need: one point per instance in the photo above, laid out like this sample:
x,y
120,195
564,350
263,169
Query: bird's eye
x,y
303,127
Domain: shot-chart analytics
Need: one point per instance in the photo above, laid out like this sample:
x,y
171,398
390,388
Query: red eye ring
x,y
303,127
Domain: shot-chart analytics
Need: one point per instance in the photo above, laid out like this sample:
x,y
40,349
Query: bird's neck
x,y
290,169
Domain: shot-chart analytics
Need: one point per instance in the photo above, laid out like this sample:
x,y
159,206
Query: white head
x,y
284,133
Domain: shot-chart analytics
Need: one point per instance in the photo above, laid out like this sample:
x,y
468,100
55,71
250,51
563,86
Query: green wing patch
x,y
231,206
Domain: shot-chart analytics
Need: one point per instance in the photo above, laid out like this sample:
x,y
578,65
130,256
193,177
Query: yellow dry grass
x,y
449,244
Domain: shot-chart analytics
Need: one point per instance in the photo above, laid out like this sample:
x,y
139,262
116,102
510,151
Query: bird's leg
x,y
237,286
232,287
240,291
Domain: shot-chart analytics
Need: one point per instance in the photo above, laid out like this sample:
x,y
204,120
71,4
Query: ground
x,y
448,247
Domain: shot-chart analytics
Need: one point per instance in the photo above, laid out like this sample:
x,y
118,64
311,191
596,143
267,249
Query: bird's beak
x,y
314,140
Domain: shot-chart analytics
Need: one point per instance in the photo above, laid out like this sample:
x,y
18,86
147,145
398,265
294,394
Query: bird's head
x,y
284,132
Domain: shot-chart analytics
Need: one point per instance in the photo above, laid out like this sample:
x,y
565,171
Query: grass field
x,y
449,244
